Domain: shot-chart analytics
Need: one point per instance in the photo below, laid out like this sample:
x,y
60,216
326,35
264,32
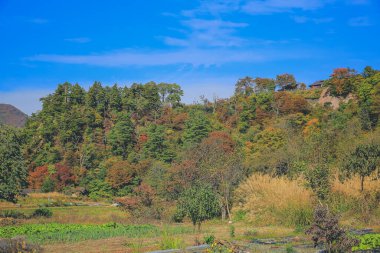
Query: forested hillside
x,y
142,147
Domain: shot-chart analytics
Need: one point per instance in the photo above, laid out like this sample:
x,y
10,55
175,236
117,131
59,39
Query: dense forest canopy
x,y
140,145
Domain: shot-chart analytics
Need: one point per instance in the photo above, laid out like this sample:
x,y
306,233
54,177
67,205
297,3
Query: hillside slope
x,y
12,116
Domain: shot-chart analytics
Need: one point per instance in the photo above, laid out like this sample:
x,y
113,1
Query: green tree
x,y
199,203
156,145
13,171
122,136
170,93
363,161
197,127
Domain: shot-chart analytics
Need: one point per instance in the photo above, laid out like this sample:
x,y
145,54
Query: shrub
x,y
12,214
325,229
18,245
209,239
42,212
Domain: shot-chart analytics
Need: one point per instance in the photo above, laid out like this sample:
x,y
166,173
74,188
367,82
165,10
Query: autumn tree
x,y
244,86
286,82
341,81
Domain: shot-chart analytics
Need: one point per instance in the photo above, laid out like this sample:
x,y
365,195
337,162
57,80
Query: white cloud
x,y
78,40
38,21
359,21
194,57
278,6
304,19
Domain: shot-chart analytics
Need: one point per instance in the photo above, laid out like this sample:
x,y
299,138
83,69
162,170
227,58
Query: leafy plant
x,y
42,212
368,242
209,239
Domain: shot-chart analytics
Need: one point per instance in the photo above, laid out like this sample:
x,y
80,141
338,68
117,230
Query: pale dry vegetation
x,y
275,200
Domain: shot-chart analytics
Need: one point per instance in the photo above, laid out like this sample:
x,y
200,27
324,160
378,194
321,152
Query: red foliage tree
x,y
38,176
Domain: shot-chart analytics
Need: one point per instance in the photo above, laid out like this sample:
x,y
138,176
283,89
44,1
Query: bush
x,y
42,212
18,245
12,214
209,239
325,229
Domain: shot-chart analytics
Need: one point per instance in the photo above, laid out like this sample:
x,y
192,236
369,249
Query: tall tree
x,y
363,161
122,136
197,127
13,172
286,81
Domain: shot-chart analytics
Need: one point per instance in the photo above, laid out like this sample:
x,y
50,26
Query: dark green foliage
x,y
42,212
48,185
199,203
157,146
197,127
15,214
319,180
13,171
209,239
122,136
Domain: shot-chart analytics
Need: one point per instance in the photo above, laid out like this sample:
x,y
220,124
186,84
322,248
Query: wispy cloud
x,y
359,21
209,33
358,2
304,19
38,21
194,57
78,40
278,6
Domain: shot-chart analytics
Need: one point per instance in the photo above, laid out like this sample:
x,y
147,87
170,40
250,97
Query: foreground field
x,y
78,225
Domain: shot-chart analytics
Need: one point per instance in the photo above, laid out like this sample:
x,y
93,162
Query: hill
x,y
12,116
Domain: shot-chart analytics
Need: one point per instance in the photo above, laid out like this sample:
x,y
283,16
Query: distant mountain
x,y
10,115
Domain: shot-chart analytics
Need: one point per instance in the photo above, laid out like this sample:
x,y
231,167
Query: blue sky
x,y
204,46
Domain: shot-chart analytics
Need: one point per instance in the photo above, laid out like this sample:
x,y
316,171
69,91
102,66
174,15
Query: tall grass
x,y
268,200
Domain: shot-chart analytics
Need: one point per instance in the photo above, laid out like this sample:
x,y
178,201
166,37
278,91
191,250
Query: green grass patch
x,y
55,232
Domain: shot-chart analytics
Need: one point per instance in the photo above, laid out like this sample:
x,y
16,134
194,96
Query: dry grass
x,y
54,195
269,200
351,187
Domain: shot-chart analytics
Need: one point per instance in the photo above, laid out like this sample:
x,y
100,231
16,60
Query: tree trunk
x,y
362,183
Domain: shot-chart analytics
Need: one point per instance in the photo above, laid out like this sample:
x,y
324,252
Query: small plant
x,y
232,231
209,239
168,241
290,249
240,215
368,242
42,212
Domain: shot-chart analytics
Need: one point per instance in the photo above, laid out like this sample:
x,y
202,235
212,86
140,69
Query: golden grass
x,y
351,187
268,199
55,195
